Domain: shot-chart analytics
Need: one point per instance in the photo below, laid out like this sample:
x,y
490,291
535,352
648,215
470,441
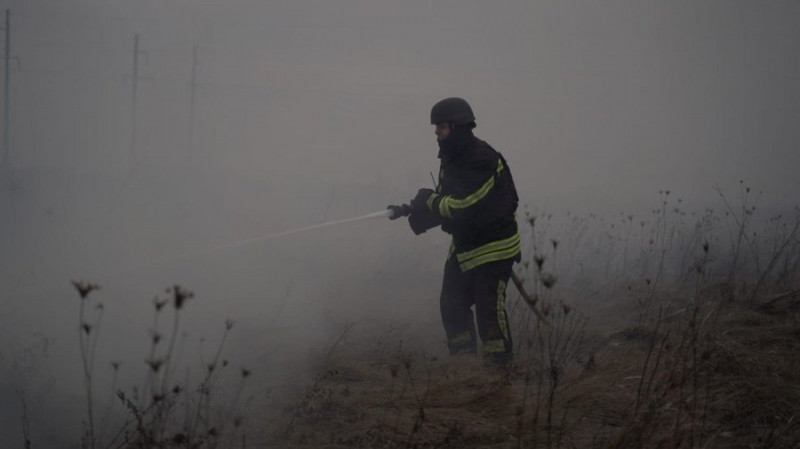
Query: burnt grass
x,y
723,374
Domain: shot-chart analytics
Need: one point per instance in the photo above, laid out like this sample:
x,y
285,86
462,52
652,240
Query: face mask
x,y
451,145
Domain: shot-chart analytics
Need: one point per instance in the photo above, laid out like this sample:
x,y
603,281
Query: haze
x,y
310,111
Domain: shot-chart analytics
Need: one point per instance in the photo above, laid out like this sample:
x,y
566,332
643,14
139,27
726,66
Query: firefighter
x,y
475,202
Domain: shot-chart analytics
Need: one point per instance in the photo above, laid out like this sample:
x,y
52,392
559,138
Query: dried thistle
x,y
566,308
84,288
179,296
159,303
549,280
154,364
539,260
229,324
87,328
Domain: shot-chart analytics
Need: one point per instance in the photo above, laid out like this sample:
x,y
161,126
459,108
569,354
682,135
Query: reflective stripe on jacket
x,y
476,201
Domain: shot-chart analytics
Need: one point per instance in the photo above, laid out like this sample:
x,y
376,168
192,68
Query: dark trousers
x,y
484,287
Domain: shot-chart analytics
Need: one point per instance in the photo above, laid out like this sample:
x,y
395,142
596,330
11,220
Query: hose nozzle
x,y
403,210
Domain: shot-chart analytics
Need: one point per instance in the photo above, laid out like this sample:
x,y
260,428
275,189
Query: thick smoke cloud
x,y
310,111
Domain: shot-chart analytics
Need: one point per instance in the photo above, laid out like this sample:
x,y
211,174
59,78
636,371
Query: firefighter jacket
x,y
475,201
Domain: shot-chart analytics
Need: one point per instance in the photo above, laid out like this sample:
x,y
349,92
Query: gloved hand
x,y
419,201
402,210
422,219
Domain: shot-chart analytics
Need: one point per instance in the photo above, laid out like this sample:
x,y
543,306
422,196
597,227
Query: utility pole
x,y
134,94
193,86
6,88
135,79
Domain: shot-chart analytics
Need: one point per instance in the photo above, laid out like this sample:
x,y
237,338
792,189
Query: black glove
x,y
421,220
403,210
420,201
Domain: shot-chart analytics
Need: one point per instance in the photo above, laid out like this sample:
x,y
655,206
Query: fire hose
x,y
392,213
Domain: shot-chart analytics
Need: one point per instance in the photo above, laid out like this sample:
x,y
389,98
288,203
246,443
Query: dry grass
x,y
726,375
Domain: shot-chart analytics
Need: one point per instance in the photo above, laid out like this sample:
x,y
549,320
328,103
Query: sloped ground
x,y
723,375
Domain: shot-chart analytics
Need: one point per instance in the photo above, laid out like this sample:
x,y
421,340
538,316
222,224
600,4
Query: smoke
x,y
314,112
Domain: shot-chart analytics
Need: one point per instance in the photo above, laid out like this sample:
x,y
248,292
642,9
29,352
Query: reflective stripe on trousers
x,y
483,287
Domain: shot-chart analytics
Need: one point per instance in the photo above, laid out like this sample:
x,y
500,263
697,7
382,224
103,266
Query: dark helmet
x,y
452,110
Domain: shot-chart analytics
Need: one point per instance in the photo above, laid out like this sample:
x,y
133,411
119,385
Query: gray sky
x,y
309,111
611,101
